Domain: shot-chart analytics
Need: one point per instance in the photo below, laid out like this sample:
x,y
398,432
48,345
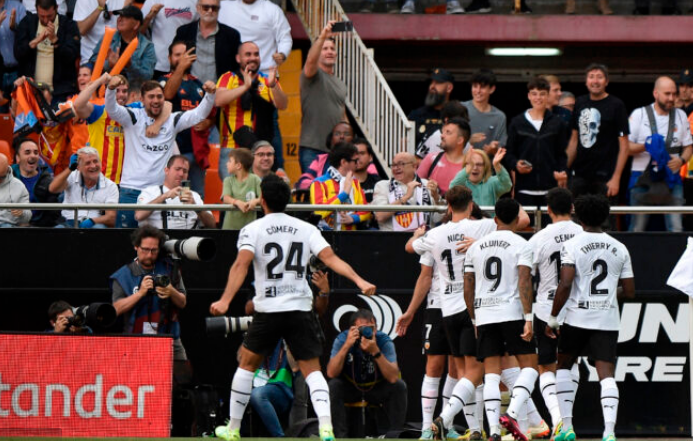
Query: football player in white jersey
x,y
442,243
498,294
279,247
546,250
593,264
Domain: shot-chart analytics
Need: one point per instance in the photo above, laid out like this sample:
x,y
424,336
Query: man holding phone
x,y
175,191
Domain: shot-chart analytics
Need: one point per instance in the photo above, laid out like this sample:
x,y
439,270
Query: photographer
x,y
149,291
61,318
361,359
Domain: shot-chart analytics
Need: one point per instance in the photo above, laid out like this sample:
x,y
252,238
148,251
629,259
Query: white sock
x,y
462,394
547,383
575,374
609,404
480,405
509,377
492,402
522,420
449,385
429,396
565,393
241,386
533,415
522,391
320,397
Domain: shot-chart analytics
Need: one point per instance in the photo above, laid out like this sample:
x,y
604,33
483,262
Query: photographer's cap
x,y
442,76
130,12
686,77
261,143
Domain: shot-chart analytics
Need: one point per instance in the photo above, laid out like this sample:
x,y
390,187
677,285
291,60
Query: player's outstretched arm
x,y
342,268
237,274
423,285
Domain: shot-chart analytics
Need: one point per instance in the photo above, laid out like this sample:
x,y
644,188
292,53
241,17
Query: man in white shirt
x,y
546,259
678,143
92,17
173,192
498,294
163,25
83,183
279,247
593,264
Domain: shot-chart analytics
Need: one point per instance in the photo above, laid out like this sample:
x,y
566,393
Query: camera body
x,y
364,332
100,315
316,264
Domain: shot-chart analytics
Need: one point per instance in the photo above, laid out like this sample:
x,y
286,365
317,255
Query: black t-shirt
x,y
368,186
599,125
688,109
427,120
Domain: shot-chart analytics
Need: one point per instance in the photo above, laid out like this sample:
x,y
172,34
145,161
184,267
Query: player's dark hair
x,y
507,210
477,213
341,150
454,109
560,201
56,308
538,83
175,158
485,77
275,192
592,210
364,314
459,197
145,232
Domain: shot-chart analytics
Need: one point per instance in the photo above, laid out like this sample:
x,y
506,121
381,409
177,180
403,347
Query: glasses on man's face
x,y
149,250
264,155
213,8
399,164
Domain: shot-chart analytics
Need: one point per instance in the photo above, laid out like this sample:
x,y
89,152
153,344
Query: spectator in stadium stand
x,y
679,146
59,315
164,24
363,172
148,308
405,189
366,369
92,17
452,7
598,148
83,183
184,91
554,98
264,23
43,43
451,109
241,189
338,186
567,101
537,139
216,44
323,97
487,122
427,118
440,168
602,7
263,159
478,175
12,12
12,191
30,6
368,6
145,158
246,98
27,169
129,25
172,192
685,84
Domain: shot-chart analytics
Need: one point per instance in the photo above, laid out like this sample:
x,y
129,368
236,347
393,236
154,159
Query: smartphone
x,y
343,26
526,163
185,184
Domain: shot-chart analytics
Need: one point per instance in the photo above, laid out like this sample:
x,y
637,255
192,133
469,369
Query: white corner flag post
x,y
681,278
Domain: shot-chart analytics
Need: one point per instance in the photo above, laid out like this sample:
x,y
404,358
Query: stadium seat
x,y
5,150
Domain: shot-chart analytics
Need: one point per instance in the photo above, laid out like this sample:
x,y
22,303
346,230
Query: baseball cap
x,y
442,75
261,143
686,77
130,12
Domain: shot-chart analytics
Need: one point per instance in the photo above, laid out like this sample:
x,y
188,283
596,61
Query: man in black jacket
x,y
215,44
537,140
46,46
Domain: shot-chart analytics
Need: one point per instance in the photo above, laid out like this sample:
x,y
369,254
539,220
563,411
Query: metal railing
x,y
537,212
369,98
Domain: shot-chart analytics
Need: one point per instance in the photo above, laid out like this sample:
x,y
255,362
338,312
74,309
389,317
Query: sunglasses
x,y
213,8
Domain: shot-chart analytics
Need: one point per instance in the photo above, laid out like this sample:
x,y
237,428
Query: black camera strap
x,y
164,213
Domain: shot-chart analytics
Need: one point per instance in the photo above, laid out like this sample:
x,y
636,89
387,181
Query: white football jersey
x,y
433,297
546,258
600,261
494,260
282,246
441,242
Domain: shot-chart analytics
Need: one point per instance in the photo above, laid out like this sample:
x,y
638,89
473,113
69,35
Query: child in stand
x,y
241,189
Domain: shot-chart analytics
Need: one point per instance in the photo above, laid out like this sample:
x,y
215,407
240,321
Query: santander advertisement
x,y
85,386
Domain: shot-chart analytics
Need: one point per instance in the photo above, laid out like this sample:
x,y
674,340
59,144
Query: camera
x,y
98,315
223,326
316,265
193,248
161,280
364,332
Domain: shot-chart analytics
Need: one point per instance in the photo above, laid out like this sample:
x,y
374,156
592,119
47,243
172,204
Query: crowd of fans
x,y
181,76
